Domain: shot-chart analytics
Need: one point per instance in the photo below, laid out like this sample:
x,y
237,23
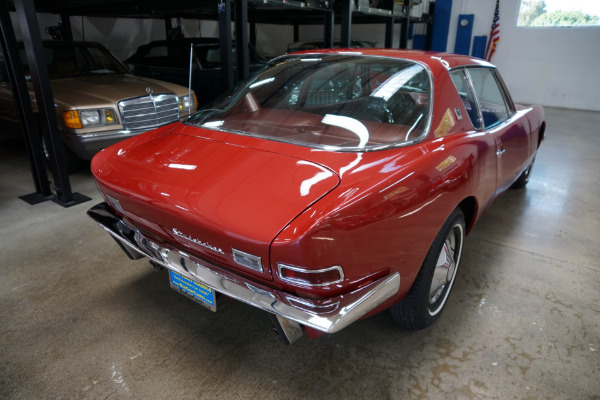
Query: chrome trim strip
x,y
352,306
474,94
319,308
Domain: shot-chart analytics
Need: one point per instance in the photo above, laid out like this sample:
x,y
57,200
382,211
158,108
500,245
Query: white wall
x,y
555,67
271,39
122,36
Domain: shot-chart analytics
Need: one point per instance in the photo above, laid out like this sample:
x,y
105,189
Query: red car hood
x,y
210,196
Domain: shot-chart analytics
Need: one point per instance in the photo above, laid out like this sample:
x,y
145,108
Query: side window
x,y
158,51
493,106
213,57
464,90
157,55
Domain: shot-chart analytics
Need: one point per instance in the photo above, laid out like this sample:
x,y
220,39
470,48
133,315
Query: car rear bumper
x,y
330,315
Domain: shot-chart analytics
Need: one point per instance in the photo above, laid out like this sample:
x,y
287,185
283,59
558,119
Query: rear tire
x,y
523,179
426,299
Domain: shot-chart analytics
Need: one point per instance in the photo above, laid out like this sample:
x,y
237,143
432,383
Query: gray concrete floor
x,y
79,320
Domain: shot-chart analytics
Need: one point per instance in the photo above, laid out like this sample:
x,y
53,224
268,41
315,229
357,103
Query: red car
x,y
328,187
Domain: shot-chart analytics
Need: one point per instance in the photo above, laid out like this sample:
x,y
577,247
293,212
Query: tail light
x,y
247,260
310,277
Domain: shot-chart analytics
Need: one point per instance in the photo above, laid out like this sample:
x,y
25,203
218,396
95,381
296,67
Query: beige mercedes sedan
x,y
98,101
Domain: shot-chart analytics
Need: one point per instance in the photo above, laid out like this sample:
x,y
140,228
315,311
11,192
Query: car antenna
x,y
190,80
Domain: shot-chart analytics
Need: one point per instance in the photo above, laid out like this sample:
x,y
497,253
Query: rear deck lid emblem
x,y
206,245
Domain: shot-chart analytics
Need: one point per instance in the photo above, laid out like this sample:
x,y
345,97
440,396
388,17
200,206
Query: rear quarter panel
x,y
389,207
384,216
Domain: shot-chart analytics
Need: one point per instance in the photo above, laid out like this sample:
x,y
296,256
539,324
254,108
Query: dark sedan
x,y
169,60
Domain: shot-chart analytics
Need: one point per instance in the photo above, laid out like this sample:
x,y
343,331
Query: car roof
x,y
434,60
318,41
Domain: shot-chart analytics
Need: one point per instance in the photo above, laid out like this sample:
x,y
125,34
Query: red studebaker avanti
x,y
329,186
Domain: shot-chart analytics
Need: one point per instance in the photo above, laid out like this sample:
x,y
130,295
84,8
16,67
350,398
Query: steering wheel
x,y
377,109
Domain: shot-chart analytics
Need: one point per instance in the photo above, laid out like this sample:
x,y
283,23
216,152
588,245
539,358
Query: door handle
x,y
500,151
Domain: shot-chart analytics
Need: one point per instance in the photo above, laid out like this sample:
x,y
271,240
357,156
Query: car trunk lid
x,y
208,196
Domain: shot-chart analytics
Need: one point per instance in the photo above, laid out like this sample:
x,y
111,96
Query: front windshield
x,y
67,61
341,101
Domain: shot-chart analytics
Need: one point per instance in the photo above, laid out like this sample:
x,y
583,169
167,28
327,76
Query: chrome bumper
x,y
85,146
340,312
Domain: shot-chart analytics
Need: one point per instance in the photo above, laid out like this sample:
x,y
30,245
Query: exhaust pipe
x,y
285,330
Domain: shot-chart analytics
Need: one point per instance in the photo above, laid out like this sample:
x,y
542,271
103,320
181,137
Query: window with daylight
x,y
558,13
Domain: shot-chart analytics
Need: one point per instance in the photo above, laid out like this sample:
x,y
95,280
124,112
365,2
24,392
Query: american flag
x,y
494,33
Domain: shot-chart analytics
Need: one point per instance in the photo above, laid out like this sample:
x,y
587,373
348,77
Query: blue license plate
x,y
196,291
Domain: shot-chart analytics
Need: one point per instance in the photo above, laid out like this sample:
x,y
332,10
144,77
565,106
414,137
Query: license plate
x,y
196,291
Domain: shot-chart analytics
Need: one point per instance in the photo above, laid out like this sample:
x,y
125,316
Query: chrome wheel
x,y
427,297
527,173
445,269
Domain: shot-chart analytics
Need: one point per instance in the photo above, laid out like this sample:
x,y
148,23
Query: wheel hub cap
x,y
444,270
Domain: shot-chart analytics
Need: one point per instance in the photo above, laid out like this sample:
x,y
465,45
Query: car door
x,y
499,118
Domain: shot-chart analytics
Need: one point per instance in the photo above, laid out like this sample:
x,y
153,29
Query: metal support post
x,y
168,28
346,23
14,69
65,24
224,11
429,34
405,25
32,40
241,39
252,31
389,33
329,24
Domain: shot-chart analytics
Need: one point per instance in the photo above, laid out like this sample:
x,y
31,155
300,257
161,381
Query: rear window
x,y
67,61
340,102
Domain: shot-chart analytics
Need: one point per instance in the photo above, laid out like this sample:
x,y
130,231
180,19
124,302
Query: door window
x,y
489,95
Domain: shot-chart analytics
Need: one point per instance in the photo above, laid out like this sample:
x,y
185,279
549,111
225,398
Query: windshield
x,y
344,102
77,60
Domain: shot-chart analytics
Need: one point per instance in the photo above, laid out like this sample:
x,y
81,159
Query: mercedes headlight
x,y
89,118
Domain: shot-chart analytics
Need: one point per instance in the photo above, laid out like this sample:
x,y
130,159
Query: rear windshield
x,y
340,102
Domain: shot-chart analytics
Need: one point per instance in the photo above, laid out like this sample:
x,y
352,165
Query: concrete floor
x,y
79,320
